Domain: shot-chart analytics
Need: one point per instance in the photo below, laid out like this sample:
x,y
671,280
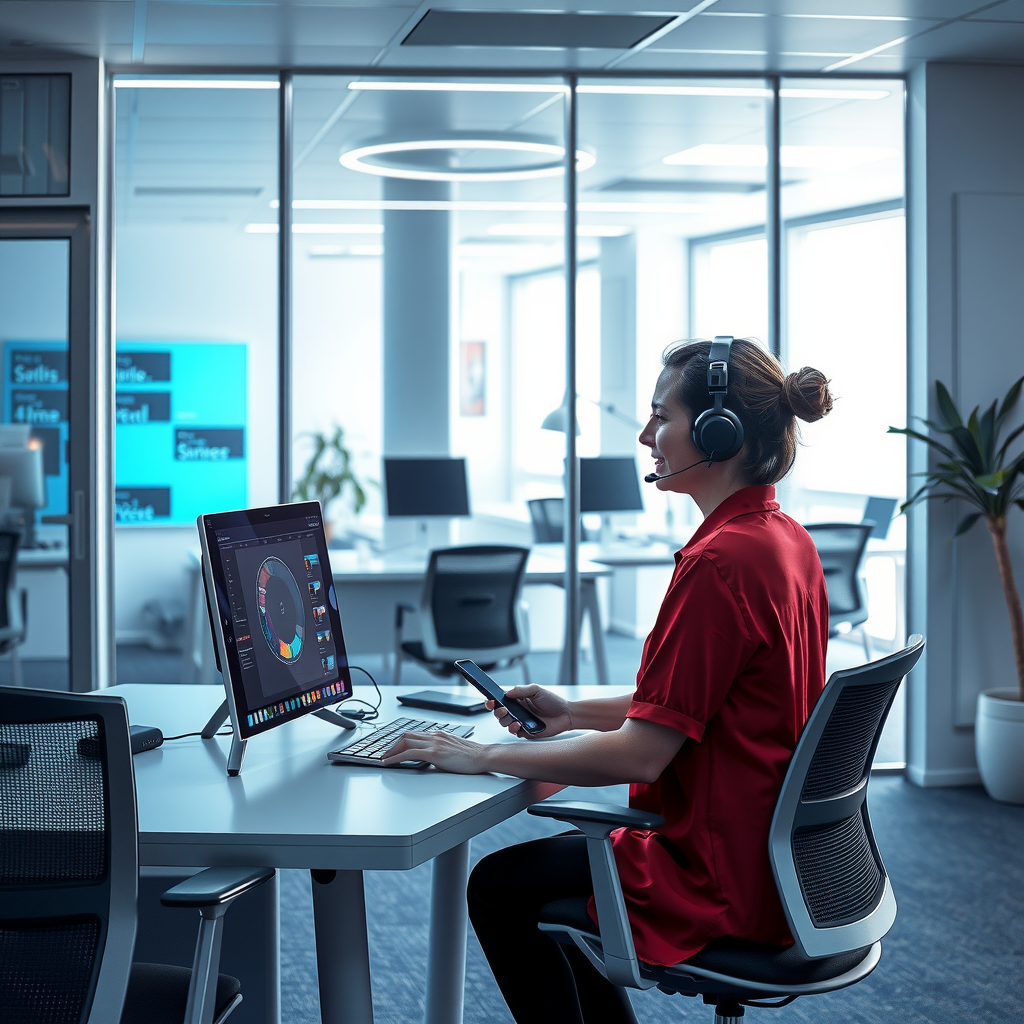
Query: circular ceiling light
x,y
372,158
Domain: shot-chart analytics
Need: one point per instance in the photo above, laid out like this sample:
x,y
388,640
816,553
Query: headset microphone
x,y
653,477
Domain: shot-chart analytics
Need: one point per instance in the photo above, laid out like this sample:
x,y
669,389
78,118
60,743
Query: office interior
x,y
320,222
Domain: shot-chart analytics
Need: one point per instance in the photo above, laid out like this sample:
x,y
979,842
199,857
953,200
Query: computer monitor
x,y
24,468
275,620
424,487
610,484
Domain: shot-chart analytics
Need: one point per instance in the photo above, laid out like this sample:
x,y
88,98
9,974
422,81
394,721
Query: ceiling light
x,y
366,250
355,159
733,91
557,230
318,229
195,83
372,85
715,155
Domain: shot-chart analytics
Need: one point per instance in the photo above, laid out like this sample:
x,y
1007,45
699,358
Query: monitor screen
x,y
426,487
24,468
278,621
610,484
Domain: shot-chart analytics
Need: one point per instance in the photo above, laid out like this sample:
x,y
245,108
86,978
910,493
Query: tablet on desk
x,y
437,700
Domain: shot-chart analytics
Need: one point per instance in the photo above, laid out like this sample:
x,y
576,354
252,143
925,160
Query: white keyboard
x,y
371,747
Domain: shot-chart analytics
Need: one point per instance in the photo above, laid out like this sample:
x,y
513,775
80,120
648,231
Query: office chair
x,y
69,877
13,610
471,607
833,885
841,549
546,516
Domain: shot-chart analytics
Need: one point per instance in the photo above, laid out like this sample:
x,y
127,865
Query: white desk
x,y
289,808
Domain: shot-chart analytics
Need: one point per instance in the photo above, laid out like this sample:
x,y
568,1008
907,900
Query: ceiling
x,y
887,36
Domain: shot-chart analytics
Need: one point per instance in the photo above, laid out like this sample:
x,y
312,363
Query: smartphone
x,y
490,689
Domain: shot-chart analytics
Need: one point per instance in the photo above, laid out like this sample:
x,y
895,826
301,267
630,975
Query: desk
x,y
43,574
368,592
289,808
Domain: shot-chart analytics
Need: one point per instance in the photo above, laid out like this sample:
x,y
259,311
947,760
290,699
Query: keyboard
x,y
370,747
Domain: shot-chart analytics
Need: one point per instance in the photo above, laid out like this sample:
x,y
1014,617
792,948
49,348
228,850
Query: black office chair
x,y
546,515
14,604
841,548
471,607
832,882
69,877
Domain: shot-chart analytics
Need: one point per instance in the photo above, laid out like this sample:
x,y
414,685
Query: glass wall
x,y
196,421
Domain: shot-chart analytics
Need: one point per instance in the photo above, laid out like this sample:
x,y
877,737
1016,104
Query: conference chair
x,y
69,877
833,885
546,516
13,609
471,607
841,549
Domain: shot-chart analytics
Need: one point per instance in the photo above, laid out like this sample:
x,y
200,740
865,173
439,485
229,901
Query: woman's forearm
x,y
603,714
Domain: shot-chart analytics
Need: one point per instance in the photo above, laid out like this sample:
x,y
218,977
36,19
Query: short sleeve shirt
x,y
735,662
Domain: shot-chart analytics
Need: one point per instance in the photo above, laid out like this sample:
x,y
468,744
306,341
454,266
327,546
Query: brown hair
x,y
766,400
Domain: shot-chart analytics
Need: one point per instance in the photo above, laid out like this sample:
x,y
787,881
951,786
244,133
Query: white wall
x,y
966,236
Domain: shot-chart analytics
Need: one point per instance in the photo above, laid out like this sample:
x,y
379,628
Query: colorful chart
x,y
282,615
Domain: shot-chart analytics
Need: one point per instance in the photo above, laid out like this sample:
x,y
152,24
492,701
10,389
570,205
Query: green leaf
x,y
1009,402
986,427
966,523
923,437
990,482
947,406
1014,434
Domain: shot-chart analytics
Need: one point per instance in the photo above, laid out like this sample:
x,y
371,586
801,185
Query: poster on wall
x,y
179,425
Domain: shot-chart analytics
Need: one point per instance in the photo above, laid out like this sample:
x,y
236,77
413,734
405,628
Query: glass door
x,y
48,451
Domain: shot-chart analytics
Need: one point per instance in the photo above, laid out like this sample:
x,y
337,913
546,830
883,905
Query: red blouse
x,y
735,663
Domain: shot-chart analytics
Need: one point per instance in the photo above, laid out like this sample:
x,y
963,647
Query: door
x,y
49,448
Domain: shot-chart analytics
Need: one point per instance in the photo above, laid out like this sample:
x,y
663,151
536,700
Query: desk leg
x,y
589,602
446,955
342,955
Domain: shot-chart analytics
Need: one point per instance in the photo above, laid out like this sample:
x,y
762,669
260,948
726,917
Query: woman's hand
x,y
451,753
554,711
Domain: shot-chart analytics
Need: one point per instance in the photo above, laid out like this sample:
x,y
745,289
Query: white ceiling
x,y
888,36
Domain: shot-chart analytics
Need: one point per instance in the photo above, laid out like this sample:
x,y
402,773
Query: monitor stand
x,y
237,752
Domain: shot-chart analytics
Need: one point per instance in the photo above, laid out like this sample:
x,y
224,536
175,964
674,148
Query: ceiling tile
x,y
938,9
680,60
785,35
1012,10
63,23
272,57
968,40
494,57
265,25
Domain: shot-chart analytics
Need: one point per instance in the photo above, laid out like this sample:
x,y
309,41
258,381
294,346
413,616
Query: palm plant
x,y
328,472
975,470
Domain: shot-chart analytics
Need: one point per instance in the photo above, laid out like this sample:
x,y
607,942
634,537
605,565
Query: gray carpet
x,y
954,954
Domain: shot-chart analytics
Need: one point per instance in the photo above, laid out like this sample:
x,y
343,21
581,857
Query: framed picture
x,y
473,378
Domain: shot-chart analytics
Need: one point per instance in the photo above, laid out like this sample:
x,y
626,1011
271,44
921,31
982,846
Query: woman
x,y
728,677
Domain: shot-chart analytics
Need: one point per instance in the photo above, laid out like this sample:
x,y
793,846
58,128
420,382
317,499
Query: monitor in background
x,y
24,468
424,487
275,620
610,484
879,511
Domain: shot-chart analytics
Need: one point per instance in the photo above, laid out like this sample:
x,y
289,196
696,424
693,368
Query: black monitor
x,y
610,484
276,625
423,487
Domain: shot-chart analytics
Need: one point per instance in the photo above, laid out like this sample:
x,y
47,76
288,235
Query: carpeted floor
x,y
954,954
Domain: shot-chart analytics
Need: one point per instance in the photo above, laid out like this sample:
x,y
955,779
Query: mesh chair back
x,y
471,600
831,878
841,550
68,857
546,516
8,565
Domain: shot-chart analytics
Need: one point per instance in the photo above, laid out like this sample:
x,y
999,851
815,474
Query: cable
x,y
184,735
369,711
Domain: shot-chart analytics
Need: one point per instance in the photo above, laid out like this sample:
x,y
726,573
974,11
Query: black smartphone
x,y
490,689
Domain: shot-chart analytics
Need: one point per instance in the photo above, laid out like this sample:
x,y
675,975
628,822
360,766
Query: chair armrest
x,y
597,822
215,886
400,610
612,815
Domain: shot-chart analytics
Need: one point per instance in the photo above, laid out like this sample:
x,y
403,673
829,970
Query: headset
x,y
718,432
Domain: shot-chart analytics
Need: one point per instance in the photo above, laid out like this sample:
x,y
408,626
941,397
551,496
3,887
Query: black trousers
x,y
540,980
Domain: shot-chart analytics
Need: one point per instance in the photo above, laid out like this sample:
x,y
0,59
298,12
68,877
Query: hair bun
x,y
805,393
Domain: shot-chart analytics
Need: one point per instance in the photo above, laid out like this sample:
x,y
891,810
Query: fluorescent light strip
x,y
485,206
530,87
318,229
193,83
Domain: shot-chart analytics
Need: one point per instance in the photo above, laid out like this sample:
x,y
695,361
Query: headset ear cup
x,y
718,432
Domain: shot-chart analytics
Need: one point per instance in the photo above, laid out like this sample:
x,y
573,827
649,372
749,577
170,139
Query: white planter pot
x,y
999,744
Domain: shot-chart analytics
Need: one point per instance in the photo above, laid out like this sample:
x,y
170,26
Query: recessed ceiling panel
x,y
531,29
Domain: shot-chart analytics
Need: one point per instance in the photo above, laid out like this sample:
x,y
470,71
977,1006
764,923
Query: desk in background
x,y
43,575
289,808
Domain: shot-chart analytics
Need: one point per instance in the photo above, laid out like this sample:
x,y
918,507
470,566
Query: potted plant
x,y
328,474
976,468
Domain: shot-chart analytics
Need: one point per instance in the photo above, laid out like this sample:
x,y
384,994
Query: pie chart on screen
x,y
282,614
